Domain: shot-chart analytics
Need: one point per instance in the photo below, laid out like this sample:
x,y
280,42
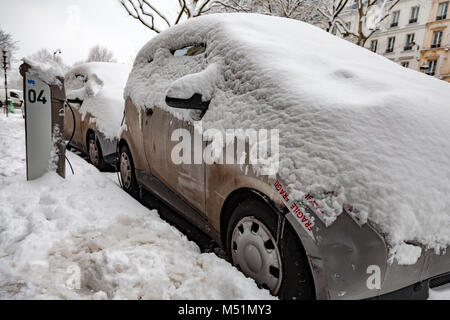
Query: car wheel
x,y
282,268
95,152
127,173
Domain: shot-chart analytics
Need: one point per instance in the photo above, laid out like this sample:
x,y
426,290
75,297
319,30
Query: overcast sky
x,y
74,26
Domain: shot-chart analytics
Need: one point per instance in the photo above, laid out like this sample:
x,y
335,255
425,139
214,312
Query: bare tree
x,y
8,44
331,12
370,14
304,10
156,20
100,53
6,41
44,56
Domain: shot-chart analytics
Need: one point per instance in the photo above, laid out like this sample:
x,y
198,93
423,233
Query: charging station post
x,y
44,124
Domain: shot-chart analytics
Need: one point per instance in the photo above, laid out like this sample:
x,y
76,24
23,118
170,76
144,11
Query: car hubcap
x,y
93,152
125,170
255,252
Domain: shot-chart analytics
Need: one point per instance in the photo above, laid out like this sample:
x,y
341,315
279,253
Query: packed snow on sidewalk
x,y
53,230
357,131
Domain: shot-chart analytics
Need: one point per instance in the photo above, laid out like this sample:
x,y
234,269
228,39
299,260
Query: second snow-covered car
x,y
354,200
95,92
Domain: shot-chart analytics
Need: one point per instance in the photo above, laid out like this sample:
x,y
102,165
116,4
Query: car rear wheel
x,y
278,266
95,152
127,173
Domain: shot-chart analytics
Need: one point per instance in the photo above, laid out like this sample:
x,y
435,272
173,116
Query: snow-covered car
x,y
95,92
358,205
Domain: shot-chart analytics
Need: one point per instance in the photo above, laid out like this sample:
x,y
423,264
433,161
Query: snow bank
x,y
441,293
102,93
53,230
355,128
49,71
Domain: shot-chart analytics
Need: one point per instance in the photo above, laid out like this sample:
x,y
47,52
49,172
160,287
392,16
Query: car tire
x,y
252,248
127,172
95,152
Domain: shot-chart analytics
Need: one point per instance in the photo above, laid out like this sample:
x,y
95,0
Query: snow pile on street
x,y
48,71
53,230
440,293
101,90
355,128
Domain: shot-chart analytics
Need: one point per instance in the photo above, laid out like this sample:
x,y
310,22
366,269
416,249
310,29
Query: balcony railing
x,y
413,20
408,47
394,24
441,17
389,50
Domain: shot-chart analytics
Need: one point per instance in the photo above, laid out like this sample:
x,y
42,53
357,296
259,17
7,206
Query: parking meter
x,y
44,124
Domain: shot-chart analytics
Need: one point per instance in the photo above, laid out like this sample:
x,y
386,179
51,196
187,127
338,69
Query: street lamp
x,y
56,52
5,66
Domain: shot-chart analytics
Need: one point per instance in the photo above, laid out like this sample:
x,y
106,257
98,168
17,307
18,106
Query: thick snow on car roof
x,y
100,85
355,128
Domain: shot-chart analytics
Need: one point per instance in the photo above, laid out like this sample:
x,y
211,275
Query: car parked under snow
x,y
363,185
95,92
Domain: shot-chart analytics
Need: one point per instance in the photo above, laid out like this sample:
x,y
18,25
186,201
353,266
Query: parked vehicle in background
x,y
95,92
359,205
16,96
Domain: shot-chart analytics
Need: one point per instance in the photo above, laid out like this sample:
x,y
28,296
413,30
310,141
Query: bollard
x,y
44,124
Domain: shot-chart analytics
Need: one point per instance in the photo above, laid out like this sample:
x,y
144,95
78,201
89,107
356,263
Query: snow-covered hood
x,y
100,87
356,130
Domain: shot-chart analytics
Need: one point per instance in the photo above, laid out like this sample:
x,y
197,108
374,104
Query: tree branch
x,y
136,15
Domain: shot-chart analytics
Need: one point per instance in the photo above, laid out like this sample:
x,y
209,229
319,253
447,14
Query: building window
x,y
437,38
432,67
409,41
405,64
414,14
373,45
391,43
395,18
442,11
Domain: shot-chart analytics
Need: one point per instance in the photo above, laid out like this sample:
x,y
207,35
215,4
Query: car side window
x,y
189,51
81,77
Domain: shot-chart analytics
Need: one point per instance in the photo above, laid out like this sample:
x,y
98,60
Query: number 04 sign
x,y
38,126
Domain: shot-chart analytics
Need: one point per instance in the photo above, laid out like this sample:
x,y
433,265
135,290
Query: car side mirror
x,y
193,103
75,101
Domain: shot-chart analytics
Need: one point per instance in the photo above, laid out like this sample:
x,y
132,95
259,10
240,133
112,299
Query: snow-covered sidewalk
x,y
84,232
52,230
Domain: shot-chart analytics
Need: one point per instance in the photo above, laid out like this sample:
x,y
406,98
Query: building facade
x,y
401,36
435,59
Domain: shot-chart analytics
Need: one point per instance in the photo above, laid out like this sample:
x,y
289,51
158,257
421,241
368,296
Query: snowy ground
x,y
53,230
